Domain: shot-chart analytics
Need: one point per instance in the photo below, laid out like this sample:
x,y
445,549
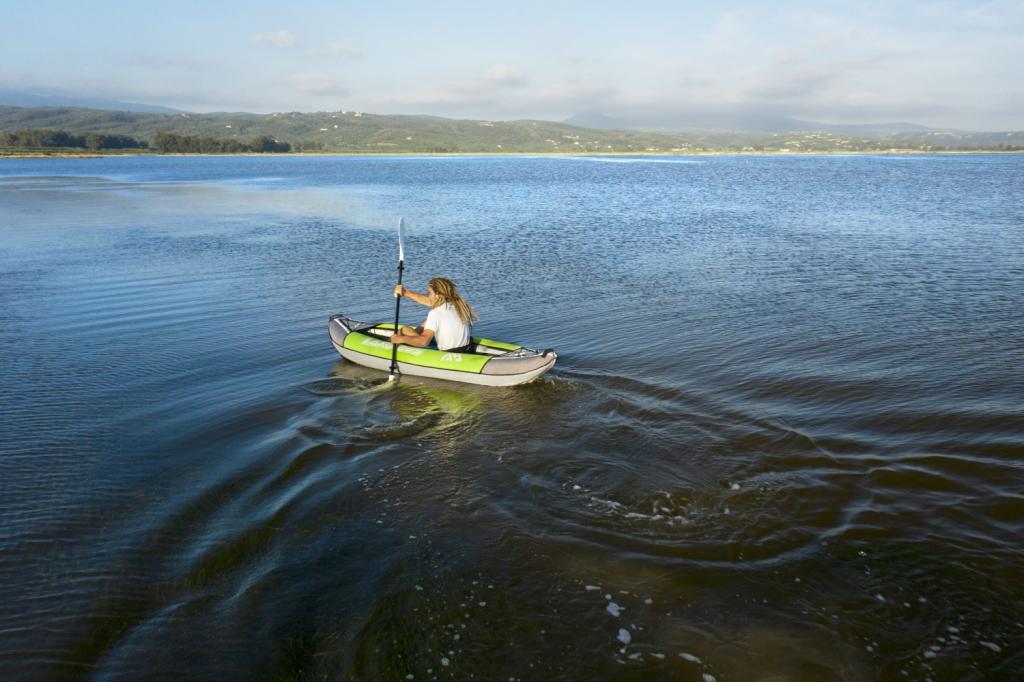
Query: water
x,y
783,438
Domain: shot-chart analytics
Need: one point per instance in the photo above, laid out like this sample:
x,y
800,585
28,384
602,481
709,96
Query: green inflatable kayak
x,y
492,363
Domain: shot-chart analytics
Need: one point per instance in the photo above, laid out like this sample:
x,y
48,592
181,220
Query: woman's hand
x,y
413,338
399,290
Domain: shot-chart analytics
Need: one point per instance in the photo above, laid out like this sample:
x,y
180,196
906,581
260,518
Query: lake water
x,y
784,439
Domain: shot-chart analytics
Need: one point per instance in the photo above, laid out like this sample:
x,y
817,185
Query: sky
x,y
952,64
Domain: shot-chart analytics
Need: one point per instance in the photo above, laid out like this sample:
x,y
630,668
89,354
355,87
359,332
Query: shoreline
x,y
835,152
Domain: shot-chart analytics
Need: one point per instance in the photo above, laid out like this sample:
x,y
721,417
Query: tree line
x,y
60,139
191,144
162,142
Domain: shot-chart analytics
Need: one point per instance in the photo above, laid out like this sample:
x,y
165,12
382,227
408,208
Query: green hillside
x,y
347,131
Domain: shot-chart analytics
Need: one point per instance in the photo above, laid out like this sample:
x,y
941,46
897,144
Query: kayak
x,y
491,363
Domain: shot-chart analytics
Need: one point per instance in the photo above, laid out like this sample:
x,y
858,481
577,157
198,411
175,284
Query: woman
x,y
449,321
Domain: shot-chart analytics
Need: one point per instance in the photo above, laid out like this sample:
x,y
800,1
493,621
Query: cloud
x,y
827,42
503,75
145,60
554,101
317,83
800,85
485,88
732,28
788,57
788,81
339,49
275,38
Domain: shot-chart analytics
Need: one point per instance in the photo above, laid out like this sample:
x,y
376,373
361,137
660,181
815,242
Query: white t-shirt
x,y
449,329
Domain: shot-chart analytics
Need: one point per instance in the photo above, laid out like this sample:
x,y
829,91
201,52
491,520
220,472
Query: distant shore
x,y
836,152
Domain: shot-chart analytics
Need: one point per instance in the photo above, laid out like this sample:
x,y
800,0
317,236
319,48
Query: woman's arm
x,y
420,340
422,299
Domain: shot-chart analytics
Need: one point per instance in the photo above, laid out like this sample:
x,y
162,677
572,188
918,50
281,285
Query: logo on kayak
x,y
374,343
452,357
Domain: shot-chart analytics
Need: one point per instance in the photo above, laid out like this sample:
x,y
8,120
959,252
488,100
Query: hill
x,y
24,98
345,130
734,122
350,131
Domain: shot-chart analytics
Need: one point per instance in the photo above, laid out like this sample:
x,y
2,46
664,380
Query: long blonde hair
x,y
445,292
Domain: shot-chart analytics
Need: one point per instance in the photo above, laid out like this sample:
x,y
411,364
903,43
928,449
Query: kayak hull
x,y
493,363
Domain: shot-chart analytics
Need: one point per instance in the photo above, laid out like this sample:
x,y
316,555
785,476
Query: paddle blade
x,y
401,248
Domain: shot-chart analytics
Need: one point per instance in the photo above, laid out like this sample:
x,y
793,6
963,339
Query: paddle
x,y
393,372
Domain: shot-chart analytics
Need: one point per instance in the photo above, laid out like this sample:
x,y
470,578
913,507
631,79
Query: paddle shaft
x,y
398,305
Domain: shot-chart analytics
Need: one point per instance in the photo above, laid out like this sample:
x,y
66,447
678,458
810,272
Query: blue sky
x,y
951,64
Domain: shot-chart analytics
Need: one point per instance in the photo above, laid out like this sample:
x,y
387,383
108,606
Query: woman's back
x,y
449,323
449,329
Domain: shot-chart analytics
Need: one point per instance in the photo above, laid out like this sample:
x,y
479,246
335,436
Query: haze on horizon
x,y
945,64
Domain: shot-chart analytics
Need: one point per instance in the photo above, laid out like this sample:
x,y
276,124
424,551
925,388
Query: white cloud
x,y
146,61
828,42
788,57
505,75
317,83
275,38
731,29
480,93
553,101
338,49
798,84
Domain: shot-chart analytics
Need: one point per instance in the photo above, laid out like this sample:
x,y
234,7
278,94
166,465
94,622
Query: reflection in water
x,y
421,408
444,417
